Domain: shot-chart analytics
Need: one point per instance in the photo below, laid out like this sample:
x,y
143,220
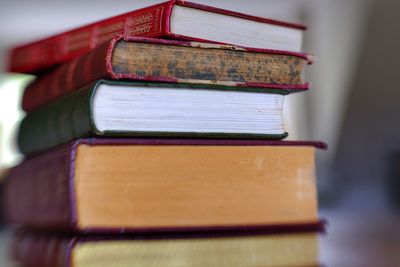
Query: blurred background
x,y
354,106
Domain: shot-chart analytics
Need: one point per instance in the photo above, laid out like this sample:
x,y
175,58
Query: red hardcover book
x,y
149,59
173,19
140,185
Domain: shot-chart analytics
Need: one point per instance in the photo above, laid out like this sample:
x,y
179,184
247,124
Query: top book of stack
x,y
173,19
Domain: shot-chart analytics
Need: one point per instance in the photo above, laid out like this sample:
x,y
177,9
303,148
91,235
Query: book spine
x,y
152,21
36,250
37,192
68,77
58,122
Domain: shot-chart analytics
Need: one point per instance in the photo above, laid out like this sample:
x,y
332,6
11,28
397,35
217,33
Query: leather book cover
x,y
71,117
152,21
40,192
155,60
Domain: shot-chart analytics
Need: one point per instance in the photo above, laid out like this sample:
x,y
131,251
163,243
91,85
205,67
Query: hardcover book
x,y
170,61
133,185
174,20
110,108
241,249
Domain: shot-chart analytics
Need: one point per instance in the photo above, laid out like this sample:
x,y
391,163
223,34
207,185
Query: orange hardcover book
x,y
136,185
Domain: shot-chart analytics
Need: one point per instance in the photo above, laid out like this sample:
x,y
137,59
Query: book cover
x,y
152,21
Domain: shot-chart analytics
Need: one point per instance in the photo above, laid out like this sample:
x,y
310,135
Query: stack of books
x,y
153,139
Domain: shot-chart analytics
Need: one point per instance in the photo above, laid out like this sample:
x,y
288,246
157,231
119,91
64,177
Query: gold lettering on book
x,y
142,19
145,23
141,29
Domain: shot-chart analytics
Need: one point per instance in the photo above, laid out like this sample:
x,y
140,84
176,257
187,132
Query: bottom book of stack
x,y
243,248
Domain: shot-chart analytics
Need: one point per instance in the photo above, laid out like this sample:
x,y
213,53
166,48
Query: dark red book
x,y
173,19
156,60
138,185
250,247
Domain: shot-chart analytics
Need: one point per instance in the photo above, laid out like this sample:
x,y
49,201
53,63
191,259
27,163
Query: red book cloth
x,y
152,21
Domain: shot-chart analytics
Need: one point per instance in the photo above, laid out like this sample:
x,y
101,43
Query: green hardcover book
x,y
114,108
